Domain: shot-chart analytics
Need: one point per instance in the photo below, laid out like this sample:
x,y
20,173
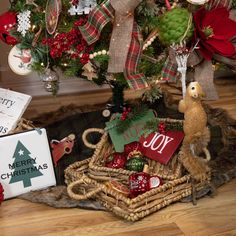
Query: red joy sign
x,y
161,147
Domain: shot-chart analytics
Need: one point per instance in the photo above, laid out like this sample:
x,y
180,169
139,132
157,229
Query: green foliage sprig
x,y
137,113
152,126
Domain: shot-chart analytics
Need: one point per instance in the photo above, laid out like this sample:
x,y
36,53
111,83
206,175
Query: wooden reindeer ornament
x,y
62,147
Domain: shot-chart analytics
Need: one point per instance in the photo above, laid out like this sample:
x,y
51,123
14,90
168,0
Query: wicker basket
x,y
81,187
23,125
88,179
98,171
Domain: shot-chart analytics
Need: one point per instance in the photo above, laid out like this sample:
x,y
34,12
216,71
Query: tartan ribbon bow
x,y
126,41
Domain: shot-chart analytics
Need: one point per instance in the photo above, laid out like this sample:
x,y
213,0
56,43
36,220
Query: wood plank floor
x,y
211,216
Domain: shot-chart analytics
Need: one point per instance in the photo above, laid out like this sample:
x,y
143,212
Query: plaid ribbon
x,y
91,32
97,19
169,71
135,79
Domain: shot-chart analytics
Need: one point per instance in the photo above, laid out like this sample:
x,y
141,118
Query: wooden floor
x,y
211,216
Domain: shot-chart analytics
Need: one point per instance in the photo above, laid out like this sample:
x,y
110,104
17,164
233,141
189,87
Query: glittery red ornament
x,y
1,194
142,182
133,149
7,23
116,160
138,183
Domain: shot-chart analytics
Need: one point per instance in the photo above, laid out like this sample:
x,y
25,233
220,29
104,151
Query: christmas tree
x,y
128,43
23,165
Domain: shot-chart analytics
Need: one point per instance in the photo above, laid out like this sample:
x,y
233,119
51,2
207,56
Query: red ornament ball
x,y
7,23
1,194
132,149
116,160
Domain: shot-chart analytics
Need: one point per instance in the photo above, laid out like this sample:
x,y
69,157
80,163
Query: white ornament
x,y
83,7
23,22
20,61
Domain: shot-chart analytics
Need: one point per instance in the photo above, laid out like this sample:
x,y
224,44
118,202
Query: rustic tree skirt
x,y
75,120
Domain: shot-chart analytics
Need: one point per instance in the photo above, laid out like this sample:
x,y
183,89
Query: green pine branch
x,y
152,126
137,113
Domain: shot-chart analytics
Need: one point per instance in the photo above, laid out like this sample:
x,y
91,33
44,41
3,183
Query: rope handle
x,y
86,195
87,132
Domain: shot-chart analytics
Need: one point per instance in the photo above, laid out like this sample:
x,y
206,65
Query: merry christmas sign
x,y
161,147
25,163
12,106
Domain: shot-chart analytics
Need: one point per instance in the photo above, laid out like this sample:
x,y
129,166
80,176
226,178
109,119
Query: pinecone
x,y
173,26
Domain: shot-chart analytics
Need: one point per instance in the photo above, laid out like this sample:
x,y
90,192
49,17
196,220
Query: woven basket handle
x,y
88,131
84,196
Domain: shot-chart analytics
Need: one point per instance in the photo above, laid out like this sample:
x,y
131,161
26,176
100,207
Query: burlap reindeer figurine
x,y
197,134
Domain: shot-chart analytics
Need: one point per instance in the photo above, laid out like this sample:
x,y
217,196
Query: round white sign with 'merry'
x,y
20,61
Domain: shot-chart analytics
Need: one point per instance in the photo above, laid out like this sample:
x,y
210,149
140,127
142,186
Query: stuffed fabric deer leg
x,y
197,134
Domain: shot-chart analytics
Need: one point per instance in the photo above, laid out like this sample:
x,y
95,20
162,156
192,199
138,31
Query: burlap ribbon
x,y
121,34
126,41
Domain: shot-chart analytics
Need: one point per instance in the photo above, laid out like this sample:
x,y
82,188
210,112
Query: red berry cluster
x,y
125,113
1,194
162,128
71,43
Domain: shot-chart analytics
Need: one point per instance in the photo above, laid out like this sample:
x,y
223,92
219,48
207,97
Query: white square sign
x,y
25,163
12,106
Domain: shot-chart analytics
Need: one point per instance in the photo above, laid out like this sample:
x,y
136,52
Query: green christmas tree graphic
x,y
23,165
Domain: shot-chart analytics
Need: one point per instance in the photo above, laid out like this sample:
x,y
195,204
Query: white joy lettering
x,y
159,146
160,136
167,140
146,144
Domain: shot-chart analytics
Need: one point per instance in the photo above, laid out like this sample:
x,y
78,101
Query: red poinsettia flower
x,y
214,29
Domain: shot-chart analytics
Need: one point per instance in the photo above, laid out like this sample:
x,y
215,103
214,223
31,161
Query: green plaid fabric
x,y
169,71
91,32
